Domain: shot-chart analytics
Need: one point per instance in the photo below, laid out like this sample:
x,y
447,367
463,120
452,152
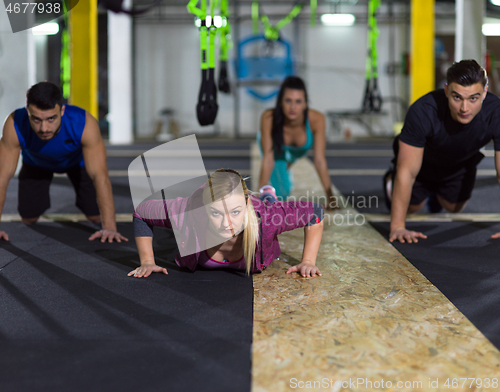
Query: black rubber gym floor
x,y
461,260
72,320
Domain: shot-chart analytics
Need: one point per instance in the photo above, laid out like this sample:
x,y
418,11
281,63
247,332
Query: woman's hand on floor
x,y
145,270
305,270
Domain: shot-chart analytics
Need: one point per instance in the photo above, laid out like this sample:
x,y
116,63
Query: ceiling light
x,y
338,19
491,29
46,29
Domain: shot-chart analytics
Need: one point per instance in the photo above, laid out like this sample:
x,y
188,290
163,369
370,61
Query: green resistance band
x,y
202,14
65,62
206,108
272,32
314,6
199,12
225,32
205,31
373,33
255,18
225,41
372,100
212,34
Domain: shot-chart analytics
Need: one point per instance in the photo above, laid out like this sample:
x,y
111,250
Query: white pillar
x,y
17,65
120,77
469,40
41,57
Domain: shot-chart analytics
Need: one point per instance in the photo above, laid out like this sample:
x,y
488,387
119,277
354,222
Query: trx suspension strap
x,y
314,6
372,101
272,32
225,32
65,63
255,18
206,109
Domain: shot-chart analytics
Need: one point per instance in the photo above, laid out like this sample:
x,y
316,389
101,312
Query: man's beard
x,y
55,133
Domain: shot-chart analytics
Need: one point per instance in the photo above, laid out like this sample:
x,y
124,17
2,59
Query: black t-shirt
x,y
449,145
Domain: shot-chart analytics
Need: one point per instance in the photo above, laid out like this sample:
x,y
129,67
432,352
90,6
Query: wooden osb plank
x,y
371,317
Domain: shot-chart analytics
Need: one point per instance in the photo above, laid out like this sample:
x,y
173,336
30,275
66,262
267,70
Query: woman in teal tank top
x,y
288,132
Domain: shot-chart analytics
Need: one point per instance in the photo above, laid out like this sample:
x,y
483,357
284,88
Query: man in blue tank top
x,y
56,138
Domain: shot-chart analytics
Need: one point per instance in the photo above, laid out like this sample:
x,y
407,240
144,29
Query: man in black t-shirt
x,y
437,152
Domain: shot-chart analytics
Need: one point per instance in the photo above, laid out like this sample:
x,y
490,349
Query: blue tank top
x,y
63,151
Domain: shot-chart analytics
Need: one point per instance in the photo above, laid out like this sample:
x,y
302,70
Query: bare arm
x,y
147,257
267,148
312,241
408,166
9,156
497,167
94,155
318,126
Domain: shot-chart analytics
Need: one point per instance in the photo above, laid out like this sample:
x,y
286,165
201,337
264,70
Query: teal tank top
x,y
291,153
281,177
63,151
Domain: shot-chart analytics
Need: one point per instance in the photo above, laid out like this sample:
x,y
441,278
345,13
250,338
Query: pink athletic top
x,y
208,262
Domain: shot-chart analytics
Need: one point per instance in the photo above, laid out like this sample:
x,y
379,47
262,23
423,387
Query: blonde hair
x,y
220,185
